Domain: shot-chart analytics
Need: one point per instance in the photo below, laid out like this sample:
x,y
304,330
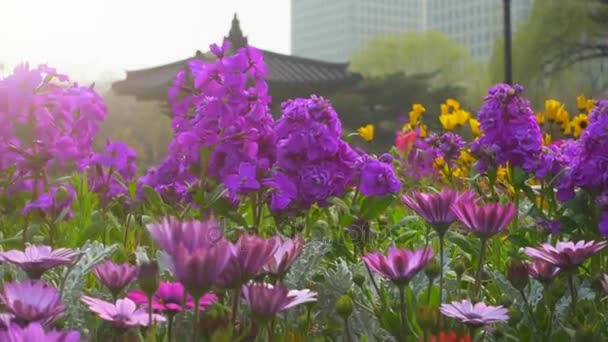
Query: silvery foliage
x,y
584,292
337,281
73,278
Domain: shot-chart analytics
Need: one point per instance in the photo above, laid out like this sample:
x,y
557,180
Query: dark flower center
x,y
583,124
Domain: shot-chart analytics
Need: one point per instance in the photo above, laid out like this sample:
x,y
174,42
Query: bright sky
x,y
91,38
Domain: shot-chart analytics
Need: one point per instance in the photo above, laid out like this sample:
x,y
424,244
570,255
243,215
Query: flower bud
x,y
427,316
359,279
459,268
514,315
517,273
344,306
148,277
505,301
432,270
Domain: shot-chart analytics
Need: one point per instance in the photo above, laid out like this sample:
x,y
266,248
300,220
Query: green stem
x,y
270,329
482,253
170,328
403,330
371,277
572,289
195,324
429,290
150,322
441,250
235,305
127,228
346,330
529,307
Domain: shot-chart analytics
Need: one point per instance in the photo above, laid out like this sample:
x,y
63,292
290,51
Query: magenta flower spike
x,y
35,332
484,220
115,276
250,254
285,255
542,271
265,300
566,255
475,315
37,259
169,299
32,300
436,208
124,313
399,265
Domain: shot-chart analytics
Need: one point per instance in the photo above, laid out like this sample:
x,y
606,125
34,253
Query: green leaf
x,y
463,243
340,204
373,206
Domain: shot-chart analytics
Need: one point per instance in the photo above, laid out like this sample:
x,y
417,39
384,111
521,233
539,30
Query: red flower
x,y
405,141
450,336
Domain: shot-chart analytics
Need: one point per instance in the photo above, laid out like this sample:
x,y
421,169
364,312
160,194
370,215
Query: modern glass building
x,y
334,30
477,24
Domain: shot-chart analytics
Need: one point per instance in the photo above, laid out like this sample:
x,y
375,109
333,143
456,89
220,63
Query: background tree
x,y
557,52
431,53
386,100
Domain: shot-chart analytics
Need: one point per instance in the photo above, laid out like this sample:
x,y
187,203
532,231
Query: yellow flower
x,y
455,105
366,132
541,202
584,104
590,105
465,158
416,113
439,163
540,118
502,173
562,116
475,130
424,131
461,172
581,103
448,121
461,116
579,123
552,109
449,106
547,139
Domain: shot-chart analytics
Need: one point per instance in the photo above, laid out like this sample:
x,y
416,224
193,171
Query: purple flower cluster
x,y
46,123
56,202
420,162
587,158
223,107
377,176
446,146
511,133
314,162
110,171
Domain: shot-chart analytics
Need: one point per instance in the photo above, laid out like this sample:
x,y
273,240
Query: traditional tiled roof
x,y
283,71
287,75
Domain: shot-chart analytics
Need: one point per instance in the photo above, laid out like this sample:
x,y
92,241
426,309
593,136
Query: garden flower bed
x,y
256,228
